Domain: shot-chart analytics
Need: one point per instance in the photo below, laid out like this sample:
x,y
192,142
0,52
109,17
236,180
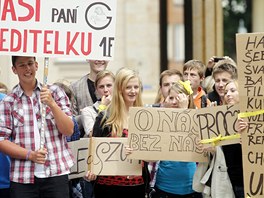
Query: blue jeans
x,y
87,188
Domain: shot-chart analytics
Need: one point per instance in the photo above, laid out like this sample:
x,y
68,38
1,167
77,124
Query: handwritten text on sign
x,y
250,57
174,134
61,28
163,134
80,152
108,158
220,120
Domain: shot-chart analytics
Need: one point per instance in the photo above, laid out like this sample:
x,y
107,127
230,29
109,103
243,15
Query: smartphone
x,y
216,59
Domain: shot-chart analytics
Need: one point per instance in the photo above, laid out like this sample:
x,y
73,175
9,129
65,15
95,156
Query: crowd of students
x,y
97,105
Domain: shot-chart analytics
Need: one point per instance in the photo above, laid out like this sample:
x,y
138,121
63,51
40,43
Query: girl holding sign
x,y
174,179
226,171
233,152
114,123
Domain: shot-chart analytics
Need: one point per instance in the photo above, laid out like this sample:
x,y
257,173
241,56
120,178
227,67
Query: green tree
x,y
235,11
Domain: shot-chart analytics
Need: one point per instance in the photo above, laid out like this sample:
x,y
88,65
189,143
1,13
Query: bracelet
x,y
101,107
28,153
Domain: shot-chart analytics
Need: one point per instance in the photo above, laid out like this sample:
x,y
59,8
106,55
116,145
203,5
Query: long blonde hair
x,y
117,107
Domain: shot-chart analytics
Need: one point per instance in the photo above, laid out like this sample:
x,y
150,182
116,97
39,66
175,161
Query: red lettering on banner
x,y
25,41
35,38
70,43
37,17
56,50
30,11
89,42
9,8
15,34
2,40
47,42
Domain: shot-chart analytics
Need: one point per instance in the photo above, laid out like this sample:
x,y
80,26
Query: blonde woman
x,y
226,174
233,152
114,123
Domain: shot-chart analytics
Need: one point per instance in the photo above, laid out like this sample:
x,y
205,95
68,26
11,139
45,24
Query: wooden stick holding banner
x,y
43,108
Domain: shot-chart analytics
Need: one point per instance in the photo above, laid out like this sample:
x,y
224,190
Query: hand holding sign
x,y
89,176
38,156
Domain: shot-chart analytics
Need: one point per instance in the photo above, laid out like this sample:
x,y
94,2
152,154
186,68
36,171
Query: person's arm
x,y
18,152
76,132
87,120
10,148
63,122
209,66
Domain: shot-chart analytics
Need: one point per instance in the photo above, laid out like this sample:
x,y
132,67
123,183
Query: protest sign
x,y
80,151
108,158
250,59
164,134
219,121
61,28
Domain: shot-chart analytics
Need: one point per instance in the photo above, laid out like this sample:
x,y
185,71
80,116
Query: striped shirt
x,y
17,122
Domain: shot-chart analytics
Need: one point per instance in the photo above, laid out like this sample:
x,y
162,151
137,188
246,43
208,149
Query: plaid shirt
x,y
16,121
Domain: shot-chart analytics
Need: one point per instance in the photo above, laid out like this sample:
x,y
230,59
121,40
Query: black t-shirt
x,y
213,96
91,89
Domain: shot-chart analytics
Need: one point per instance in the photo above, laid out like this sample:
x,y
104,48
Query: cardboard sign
x,y
164,134
80,152
61,28
250,59
219,120
108,158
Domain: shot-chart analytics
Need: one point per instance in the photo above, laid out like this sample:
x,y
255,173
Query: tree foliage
x,y
235,11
